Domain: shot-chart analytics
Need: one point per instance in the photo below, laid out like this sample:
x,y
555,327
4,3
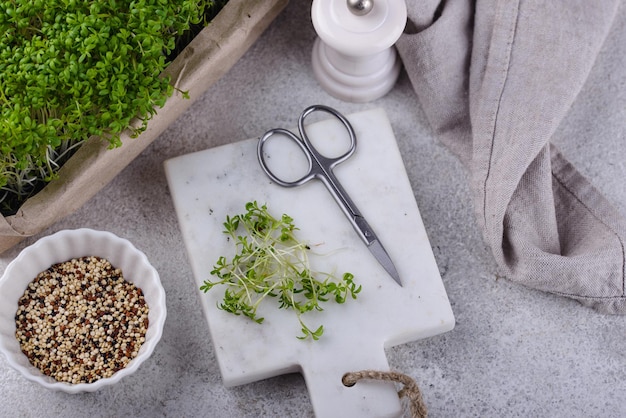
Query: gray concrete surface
x,y
514,352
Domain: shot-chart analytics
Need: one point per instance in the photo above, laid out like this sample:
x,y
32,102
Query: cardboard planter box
x,y
208,57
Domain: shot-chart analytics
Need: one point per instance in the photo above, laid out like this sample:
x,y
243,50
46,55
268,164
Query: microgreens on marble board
x,y
271,261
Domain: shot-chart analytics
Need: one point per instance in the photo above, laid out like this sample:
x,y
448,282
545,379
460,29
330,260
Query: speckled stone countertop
x,y
513,351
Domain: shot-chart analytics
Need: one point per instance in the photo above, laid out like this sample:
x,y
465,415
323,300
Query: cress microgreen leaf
x,y
72,69
271,261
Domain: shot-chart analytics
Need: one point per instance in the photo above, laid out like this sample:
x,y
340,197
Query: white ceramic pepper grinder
x,y
354,58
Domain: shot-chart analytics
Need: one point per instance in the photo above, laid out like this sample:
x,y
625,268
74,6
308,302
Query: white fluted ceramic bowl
x,y
63,246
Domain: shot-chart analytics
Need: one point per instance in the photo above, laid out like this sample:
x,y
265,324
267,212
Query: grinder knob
x,y
354,57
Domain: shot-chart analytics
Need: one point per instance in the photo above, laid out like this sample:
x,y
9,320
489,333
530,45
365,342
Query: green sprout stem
x,y
270,262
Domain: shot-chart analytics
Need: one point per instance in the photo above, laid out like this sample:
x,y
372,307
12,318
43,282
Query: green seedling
x,y
72,69
270,261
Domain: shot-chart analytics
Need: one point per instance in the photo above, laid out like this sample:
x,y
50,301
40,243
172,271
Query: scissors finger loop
x,y
319,157
261,156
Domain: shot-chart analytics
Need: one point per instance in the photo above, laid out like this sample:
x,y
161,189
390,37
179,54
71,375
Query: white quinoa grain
x,y
80,321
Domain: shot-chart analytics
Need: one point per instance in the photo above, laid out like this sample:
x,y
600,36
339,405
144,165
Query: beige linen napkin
x,y
495,78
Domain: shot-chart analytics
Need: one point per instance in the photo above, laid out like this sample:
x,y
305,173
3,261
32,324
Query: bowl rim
x,y
157,319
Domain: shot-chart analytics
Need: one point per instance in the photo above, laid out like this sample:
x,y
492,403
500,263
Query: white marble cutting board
x,y
208,185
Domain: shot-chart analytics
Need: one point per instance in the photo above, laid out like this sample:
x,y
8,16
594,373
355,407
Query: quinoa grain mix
x,y
80,321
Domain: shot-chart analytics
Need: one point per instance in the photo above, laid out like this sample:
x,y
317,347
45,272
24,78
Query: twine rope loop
x,y
410,390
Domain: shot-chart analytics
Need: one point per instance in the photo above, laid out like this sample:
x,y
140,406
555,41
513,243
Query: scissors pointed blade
x,y
383,258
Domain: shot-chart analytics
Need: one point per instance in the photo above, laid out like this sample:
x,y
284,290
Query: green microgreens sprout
x,y
270,261
70,70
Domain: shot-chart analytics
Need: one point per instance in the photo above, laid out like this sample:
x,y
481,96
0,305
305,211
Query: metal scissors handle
x,y
321,168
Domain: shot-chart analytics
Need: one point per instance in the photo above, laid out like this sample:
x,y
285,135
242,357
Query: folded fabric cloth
x,y
495,78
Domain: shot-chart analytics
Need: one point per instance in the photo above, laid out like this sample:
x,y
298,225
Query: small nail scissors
x,y
321,168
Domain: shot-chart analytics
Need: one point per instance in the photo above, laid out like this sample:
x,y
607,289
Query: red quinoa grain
x,y
80,321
